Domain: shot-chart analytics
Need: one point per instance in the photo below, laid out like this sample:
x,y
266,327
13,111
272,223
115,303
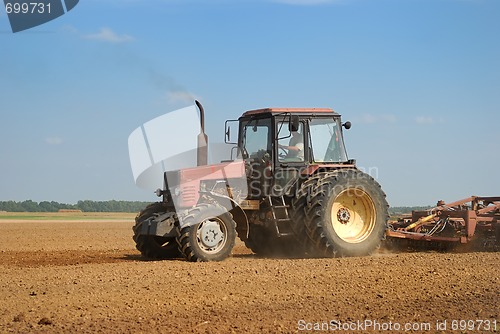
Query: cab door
x,y
290,151
257,152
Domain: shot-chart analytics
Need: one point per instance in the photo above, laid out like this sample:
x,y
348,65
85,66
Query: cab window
x,y
290,144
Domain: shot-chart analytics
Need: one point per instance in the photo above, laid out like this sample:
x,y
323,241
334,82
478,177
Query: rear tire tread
x,y
320,195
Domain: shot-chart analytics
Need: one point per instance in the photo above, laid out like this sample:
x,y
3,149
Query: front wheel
x,y
152,246
348,214
206,233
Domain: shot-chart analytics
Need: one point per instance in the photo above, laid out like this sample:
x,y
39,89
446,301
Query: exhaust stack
x,y
202,148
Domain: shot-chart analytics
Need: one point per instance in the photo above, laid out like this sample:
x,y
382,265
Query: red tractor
x,y
290,191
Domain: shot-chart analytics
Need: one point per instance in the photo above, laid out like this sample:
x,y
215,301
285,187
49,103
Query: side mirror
x,y
347,125
228,134
293,126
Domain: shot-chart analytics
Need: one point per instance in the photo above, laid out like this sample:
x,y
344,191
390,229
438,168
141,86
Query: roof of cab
x,y
290,110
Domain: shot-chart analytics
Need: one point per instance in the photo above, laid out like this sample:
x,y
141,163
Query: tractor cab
x,y
278,144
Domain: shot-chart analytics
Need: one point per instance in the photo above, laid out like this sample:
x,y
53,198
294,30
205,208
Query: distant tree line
x,y
84,206
123,206
399,210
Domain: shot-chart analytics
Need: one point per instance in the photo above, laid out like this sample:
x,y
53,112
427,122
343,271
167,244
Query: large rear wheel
x,y
347,215
299,207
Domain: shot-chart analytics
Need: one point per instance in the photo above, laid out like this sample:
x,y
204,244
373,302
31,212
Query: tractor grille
x,y
188,195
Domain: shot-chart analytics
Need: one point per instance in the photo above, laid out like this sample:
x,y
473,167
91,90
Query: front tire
x,y
348,214
152,246
207,233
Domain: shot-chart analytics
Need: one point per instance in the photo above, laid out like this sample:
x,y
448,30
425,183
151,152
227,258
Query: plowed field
x,y
85,276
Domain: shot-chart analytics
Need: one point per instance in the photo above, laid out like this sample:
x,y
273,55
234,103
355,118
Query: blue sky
x,y
419,79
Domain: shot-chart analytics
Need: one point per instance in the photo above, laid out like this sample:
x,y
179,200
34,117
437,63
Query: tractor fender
x,y
239,215
162,225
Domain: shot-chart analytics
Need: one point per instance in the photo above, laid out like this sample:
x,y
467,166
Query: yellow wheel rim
x,y
353,215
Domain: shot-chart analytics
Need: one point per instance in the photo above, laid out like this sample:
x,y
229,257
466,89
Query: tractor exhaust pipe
x,y
202,148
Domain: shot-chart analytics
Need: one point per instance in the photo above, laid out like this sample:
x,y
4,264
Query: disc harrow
x,y
474,221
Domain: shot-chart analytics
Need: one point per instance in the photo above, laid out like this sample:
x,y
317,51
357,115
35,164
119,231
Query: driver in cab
x,y
295,148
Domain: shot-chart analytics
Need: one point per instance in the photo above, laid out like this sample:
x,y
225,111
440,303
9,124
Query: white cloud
x,y
54,140
427,120
105,35
108,35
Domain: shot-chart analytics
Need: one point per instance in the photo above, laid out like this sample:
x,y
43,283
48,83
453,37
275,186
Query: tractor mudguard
x,y
239,215
161,225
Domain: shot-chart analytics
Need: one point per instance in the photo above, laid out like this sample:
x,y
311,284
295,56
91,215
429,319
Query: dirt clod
x,y
45,321
19,318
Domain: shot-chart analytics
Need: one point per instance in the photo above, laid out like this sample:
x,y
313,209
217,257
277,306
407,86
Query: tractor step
x,y
280,215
